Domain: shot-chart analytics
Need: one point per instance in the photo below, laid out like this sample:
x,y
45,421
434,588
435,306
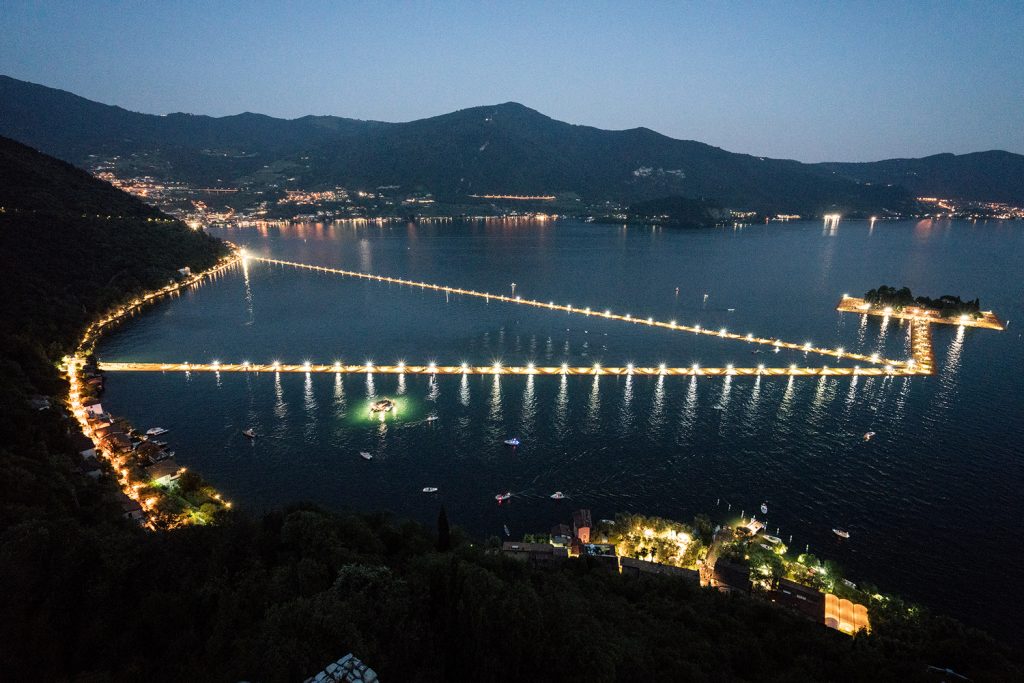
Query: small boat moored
x,y
501,497
513,442
868,435
764,508
841,533
557,495
365,456
156,431
429,489
249,433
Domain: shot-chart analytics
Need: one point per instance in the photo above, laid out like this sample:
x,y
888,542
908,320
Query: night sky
x,y
847,81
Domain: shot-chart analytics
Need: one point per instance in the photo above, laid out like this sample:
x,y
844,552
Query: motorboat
x,y
156,431
507,532
385,405
557,495
431,418
868,435
429,489
841,533
501,497
365,456
249,433
764,508
512,442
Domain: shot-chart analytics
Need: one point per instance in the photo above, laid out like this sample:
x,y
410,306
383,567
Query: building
x,y
164,472
83,445
90,468
581,524
348,669
561,535
92,407
536,554
601,554
844,615
808,601
728,577
630,566
149,451
116,441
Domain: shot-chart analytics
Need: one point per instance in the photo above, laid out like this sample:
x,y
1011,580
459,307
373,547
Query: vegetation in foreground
x,y
89,595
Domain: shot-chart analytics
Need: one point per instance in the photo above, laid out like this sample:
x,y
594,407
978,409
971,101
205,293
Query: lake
x,y
932,502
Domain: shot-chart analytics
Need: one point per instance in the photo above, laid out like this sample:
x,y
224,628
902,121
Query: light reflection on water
x,y
650,445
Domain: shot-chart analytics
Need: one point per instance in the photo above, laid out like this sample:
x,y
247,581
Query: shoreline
x,y
73,367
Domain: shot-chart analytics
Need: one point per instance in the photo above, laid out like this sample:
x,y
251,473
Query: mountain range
x,y
500,149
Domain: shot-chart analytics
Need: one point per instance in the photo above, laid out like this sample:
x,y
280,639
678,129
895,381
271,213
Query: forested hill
x,y
72,246
993,176
504,149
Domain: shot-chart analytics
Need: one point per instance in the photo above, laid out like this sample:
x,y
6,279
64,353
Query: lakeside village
x,y
737,558
266,201
152,488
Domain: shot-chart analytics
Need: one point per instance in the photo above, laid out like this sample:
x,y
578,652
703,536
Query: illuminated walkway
x,y
721,333
852,304
593,370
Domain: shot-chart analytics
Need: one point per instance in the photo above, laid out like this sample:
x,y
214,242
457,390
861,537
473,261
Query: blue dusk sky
x,y
813,81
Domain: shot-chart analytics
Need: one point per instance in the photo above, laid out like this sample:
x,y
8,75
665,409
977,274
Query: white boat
x,y
365,456
249,433
764,508
868,435
840,533
156,431
507,532
429,489
512,442
431,418
558,495
503,496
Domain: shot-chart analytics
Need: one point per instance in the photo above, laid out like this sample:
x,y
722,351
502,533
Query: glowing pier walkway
x,y
852,304
593,370
721,333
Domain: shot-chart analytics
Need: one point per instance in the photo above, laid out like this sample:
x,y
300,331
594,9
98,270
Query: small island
x,y
947,305
901,303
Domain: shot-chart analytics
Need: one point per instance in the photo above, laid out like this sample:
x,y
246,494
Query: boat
x,y
557,495
365,456
429,489
507,532
841,533
249,433
161,444
156,431
512,442
868,435
385,405
764,508
431,418
774,540
503,496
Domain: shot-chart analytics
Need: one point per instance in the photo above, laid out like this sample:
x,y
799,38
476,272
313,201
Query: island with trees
x,y
947,305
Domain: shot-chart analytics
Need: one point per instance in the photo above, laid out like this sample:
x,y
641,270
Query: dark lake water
x,y
933,502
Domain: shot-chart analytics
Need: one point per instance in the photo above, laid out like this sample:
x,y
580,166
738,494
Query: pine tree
x,y
444,534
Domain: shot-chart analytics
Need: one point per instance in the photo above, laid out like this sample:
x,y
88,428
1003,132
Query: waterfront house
x,y
130,508
116,441
728,577
537,554
92,407
630,566
163,472
147,451
581,525
808,601
348,669
561,535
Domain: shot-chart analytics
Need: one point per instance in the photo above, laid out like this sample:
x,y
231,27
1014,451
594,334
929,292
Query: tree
x,y
444,533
